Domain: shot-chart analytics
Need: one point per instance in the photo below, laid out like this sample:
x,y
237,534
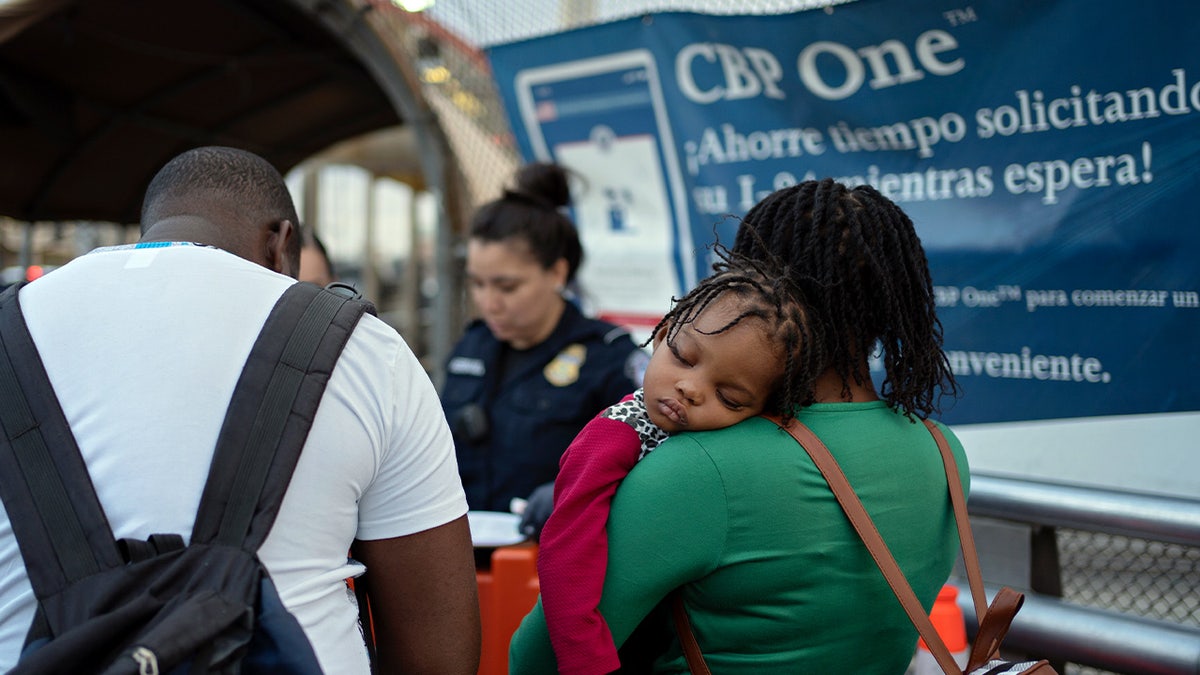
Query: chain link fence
x,y
1141,577
490,23
1150,579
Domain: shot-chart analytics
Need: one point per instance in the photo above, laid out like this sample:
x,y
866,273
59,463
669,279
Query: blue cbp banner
x,y
1048,152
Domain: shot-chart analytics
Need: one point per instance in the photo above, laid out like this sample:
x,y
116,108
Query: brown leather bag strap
x,y
996,619
965,538
862,523
687,639
994,626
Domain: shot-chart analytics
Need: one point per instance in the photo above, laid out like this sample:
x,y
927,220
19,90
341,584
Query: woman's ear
x,y
560,270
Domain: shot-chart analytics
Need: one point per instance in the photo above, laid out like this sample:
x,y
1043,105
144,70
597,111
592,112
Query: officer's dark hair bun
x,y
529,211
545,182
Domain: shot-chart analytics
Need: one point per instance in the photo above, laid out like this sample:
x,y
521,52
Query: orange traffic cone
x,y
948,619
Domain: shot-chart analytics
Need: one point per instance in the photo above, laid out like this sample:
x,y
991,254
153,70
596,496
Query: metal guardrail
x,y
1135,514
1049,627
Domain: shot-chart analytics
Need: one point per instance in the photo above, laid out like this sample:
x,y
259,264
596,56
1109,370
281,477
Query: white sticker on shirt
x,y
141,257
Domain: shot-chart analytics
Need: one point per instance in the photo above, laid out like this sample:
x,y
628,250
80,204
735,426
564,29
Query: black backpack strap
x,y
60,527
271,410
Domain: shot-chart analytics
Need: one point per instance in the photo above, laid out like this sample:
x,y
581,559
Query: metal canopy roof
x,y
96,95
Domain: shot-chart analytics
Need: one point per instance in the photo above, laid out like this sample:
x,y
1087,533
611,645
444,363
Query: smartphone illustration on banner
x,y
605,119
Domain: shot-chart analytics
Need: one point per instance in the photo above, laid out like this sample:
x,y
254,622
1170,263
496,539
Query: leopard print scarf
x,y
633,413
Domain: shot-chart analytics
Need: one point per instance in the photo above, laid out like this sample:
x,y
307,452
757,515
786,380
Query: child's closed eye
x,y
730,403
678,354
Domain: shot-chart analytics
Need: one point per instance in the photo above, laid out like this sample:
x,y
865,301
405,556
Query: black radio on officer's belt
x,y
471,423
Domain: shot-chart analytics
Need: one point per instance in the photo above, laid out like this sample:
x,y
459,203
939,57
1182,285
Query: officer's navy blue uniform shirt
x,y
511,427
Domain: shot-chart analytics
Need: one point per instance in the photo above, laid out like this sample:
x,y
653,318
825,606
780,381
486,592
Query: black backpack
x,y
157,606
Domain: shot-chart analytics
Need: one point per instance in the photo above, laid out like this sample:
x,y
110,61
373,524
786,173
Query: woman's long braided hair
x,y
768,293
861,266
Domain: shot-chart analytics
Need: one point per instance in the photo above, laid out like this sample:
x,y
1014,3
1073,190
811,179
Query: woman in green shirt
x,y
773,577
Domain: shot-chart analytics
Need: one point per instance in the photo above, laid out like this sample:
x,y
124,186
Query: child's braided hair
x,y
767,293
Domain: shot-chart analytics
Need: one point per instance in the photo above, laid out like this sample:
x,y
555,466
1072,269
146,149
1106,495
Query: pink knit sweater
x,y
573,549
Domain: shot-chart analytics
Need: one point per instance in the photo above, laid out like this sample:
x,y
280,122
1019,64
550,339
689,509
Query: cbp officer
x,y
532,370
